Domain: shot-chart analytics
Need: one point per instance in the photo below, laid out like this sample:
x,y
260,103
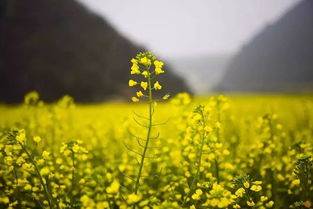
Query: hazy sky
x,y
190,27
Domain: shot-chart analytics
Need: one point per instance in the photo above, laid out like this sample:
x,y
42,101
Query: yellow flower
x,y
75,148
133,198
5,200
158,71
157,86
196,196
158,64
114,187
20,161
144,203
145,73
240,192
135,69
166,96
139,94
26,166
263,198
144,85
21,136
269,204
44,171
28,187
37,139
132,83
135,99
295,182
134,61
145,61
67,152
250,203
45,155
256,188
208,128
236,206
257,182
246,184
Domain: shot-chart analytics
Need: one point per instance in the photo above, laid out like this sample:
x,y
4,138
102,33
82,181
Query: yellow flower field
x,y
252,151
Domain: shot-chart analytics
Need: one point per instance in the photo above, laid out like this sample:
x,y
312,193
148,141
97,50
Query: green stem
x,y
194,180
218,135
147,138
73,178
217,170
46,193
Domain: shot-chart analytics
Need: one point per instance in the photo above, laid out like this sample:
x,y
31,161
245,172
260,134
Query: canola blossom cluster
x,y
141,65
193,153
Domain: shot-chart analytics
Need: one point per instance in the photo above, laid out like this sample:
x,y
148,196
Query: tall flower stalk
x,y
142,66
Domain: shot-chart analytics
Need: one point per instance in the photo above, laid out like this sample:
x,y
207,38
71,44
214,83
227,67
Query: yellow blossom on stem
x,y
139,93
145,61
114,187
133,198
144,85
236,206
197,194
75,148
166,96
37,139
246,184
135,69
240,192
263,198
44,171
45,155
250,203
145,73
257,182
21,136
269,204
132,83
135,99
134,61
256,188
157,86
158,71
158,64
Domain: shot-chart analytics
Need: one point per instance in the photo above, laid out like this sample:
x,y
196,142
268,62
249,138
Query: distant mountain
x,y
201,72
59,47
279,59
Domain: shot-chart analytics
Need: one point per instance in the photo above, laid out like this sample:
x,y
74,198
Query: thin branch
x,y
133,135
163,123
140,116
131,150
140,123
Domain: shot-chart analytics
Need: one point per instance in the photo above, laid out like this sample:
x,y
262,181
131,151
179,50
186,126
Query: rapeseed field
x,y
252,151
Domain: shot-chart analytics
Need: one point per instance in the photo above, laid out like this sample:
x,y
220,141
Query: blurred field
x,y
86,154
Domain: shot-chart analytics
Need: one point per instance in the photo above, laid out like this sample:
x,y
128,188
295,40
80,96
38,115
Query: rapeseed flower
x,y
139,94
132,83
157,86
135,99
133,198
145,61
256,188
144,85
37,139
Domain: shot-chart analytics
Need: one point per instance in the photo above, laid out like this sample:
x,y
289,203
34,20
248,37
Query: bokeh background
x,y
83,47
